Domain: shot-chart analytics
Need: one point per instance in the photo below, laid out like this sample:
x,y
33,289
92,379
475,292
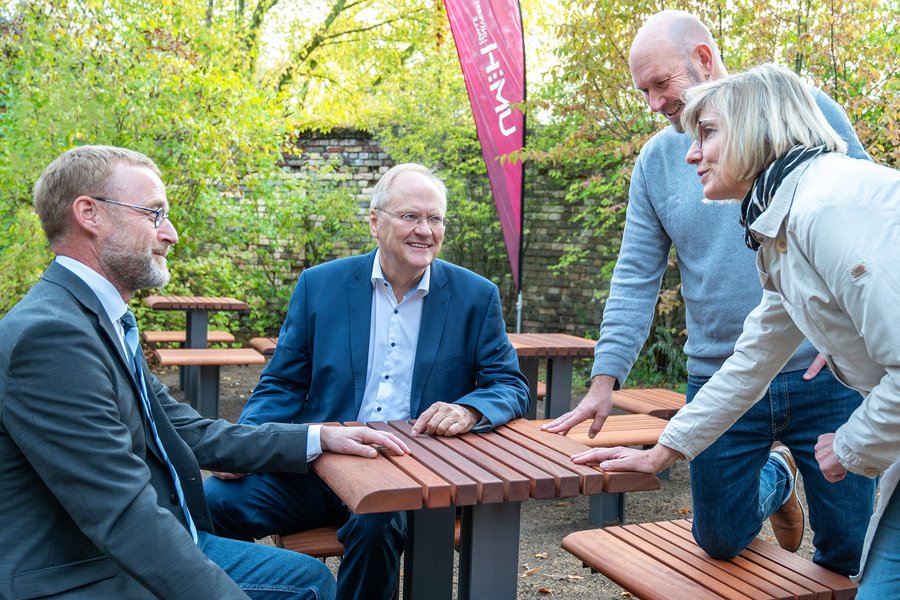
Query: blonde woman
x,y
826,228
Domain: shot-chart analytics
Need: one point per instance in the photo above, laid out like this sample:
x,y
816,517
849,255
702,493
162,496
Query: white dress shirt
x,y
393,337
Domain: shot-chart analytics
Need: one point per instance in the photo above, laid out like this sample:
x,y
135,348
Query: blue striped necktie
x,y
129,324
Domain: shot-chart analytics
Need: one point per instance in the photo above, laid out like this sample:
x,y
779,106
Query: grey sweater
x,y
719,280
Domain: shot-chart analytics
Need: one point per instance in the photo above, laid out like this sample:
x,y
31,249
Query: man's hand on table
x,y
444,418
596,405
360,441
656,459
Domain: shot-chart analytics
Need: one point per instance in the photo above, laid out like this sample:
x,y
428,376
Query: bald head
x,y
672,30
672,52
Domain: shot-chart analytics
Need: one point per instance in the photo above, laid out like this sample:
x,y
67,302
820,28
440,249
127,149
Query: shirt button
x,y
378,409
393,344
396,311
871,472
781,245
387,376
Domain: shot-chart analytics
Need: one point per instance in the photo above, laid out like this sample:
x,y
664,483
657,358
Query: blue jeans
x,y
269,573
735,487
260,504
881,579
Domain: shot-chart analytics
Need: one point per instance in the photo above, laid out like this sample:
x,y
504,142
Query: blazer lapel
x,y
434,319
359,299
61,276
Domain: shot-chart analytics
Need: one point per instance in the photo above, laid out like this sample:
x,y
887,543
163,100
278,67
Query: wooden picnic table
x,y
488,475
559,350
196,309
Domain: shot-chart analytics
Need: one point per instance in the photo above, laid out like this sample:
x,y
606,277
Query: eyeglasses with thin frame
x,y
158,215
704,131
412,220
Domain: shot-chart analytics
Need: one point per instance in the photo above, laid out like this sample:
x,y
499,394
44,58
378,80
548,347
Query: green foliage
x,y
599,121
431,123
161,79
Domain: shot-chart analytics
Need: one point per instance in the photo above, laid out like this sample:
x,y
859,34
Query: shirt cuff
x,y
313,442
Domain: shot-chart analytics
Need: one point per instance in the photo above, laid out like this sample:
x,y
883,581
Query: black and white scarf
x,y
767,183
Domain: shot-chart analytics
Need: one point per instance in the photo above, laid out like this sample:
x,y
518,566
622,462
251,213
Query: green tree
x,y
600,122
157,78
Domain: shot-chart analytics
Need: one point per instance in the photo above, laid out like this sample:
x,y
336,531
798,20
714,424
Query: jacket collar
x,y
769,223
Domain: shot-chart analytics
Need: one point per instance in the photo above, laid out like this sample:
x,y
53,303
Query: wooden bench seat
x,y
617,430
652,401
205,357
265,345
322,542
661,561
204,396
178,337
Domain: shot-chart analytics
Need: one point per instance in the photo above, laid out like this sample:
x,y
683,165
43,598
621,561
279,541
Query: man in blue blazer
x,y
100,486
393,334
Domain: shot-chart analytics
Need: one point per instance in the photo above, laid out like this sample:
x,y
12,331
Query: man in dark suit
x,y
394,334
100,486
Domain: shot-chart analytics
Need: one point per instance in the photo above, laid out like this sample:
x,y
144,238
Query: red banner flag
x,y
491,49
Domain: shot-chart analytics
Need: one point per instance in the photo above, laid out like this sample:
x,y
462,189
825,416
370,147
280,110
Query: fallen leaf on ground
x,y
530,572
542,555
684,511
547,591
574,577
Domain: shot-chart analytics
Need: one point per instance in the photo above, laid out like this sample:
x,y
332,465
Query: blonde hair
x,y
381,193
762,113
84,170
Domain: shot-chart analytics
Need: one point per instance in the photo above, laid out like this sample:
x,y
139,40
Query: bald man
x,y
742,479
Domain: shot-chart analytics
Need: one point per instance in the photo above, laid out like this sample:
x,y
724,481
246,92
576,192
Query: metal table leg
x,y
428,556
489,551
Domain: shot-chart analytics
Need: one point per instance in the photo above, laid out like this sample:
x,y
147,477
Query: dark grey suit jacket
x,y
87,507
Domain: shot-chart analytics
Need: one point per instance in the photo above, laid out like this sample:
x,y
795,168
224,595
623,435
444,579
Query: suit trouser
x,y
261,504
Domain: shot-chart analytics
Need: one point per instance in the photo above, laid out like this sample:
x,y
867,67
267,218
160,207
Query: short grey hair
x,y
381,193
763,113
81,171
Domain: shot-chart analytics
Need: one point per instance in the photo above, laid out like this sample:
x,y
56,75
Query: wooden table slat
x,y
568,482
463,489
396,490
437,492
516,487
551,344
546,477
772,570
613,482
592,480
618,430
724,572
195,303
490,487
726,578
624,564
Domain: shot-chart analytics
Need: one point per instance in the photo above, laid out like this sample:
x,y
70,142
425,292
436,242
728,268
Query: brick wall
x,y
553,301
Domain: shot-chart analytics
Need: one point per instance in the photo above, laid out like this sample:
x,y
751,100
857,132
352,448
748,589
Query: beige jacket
x,y
830,267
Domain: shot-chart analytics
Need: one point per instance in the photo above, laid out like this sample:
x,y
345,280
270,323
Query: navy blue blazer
x,y
318,371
